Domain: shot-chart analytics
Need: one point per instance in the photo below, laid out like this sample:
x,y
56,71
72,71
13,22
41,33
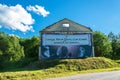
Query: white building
x,y
66,39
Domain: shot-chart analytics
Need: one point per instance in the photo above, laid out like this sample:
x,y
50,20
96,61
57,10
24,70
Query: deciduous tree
x,y
102,45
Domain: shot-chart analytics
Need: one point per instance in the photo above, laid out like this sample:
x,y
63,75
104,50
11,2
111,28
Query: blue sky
x,y
25,18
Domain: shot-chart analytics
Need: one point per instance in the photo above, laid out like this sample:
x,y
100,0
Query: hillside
x,y
40,70
74,64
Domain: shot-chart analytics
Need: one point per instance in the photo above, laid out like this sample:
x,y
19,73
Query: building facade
x,y
66,39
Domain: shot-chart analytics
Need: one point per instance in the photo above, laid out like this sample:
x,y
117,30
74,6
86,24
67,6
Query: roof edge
x,y
68,20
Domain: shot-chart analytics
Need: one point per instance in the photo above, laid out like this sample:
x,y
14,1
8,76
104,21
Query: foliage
x,y
10,49
31,46
14,50
115,43
1,62
102,45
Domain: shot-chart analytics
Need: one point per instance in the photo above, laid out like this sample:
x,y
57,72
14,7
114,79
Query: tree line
x,y
21,51
106,45
17,50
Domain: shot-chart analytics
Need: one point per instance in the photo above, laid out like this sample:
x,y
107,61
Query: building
x,y
66,39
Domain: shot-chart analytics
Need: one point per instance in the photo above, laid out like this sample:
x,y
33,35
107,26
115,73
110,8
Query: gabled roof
x,y
73,26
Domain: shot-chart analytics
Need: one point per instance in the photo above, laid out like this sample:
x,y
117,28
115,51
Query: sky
x,y
25,18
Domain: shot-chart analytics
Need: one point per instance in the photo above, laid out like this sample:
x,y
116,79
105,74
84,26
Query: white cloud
x,y
38,10
15,18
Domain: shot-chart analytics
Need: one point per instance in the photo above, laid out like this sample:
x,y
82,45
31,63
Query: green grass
x,y
117,61
41,74
40,70
76,64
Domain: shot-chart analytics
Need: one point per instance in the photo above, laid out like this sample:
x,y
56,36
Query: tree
x,y
1,66
15,49
112,37
102,45
31,46
115,43
10,48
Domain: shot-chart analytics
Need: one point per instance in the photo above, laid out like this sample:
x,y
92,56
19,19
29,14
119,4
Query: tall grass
x,y
77,64
59,67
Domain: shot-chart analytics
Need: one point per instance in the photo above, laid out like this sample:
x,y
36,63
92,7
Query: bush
x,y
16,64
25,61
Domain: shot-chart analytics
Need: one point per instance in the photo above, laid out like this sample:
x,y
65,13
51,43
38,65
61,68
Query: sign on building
x,y
66,39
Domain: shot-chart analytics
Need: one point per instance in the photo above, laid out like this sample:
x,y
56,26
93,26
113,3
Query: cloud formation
x,y
15,18
38,10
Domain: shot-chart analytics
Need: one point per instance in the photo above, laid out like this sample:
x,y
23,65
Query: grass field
x,y
41,70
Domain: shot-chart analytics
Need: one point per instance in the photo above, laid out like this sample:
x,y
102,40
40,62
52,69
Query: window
x,y
65,25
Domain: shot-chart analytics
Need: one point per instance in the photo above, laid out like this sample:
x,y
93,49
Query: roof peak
x,y
74,26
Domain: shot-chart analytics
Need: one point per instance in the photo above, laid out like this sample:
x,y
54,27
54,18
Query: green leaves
x,y
102,44
10,49
31,46
115,43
